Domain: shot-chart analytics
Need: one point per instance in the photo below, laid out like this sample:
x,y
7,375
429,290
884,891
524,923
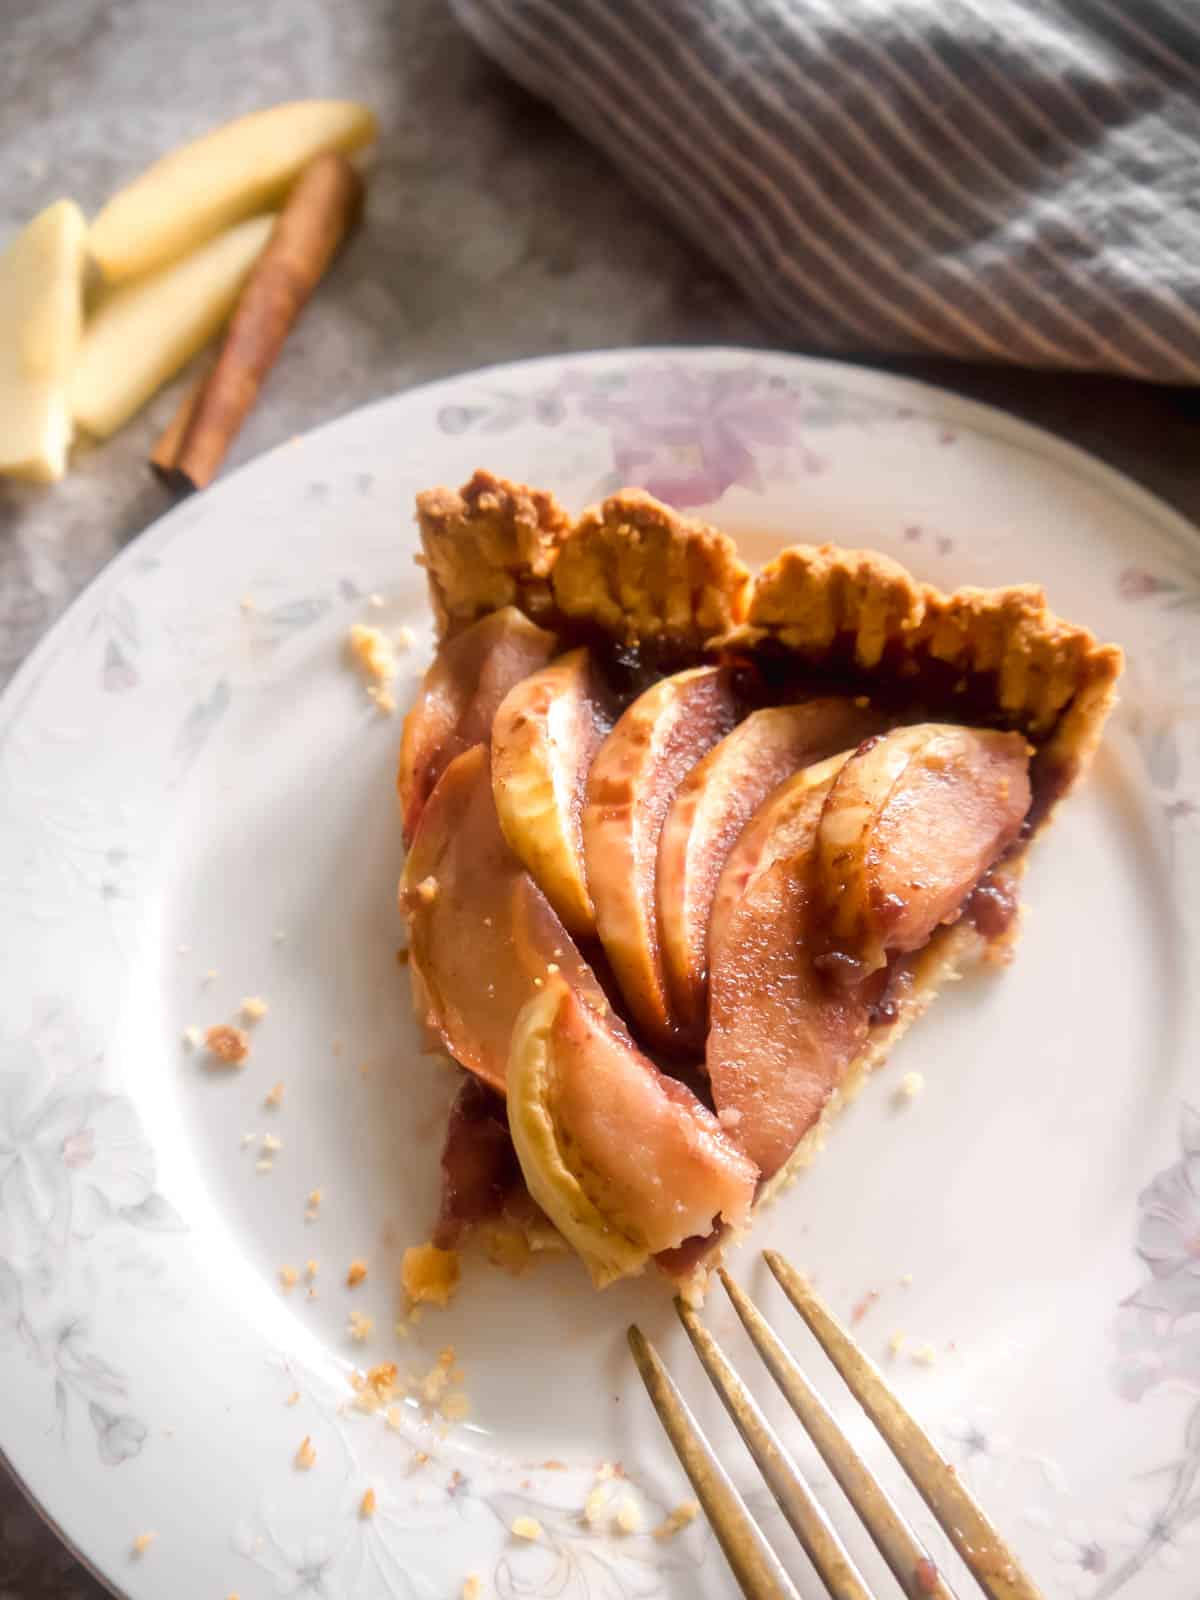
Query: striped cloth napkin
x,y
1006,180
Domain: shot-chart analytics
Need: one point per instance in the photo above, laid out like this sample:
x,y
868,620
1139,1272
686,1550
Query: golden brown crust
x,y
1048,678
813,597
490,544
636,570
639,571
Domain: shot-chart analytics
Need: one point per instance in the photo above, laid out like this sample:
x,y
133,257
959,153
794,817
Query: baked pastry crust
x,y
639,573
636,573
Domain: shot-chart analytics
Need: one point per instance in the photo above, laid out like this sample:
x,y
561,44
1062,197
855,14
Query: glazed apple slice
x,y
482,937
468,678
713,804
633,780
784,825
625,1161
912,822
544,738
780,1036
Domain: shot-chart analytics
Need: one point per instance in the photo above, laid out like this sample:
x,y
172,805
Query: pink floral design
x,y
1135,583
687,437
1168,1232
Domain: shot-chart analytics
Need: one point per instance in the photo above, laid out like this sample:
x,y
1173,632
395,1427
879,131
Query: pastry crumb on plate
x,y
228,1044
429,1275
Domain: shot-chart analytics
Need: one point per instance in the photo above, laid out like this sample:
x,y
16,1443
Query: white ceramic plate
x,y
188,770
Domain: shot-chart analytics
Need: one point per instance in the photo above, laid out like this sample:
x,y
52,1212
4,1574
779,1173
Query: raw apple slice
x,y
709,811
544,738
783,825
469,677
624,1161
41,314
241,168
913,821
633,780
143,333
482,937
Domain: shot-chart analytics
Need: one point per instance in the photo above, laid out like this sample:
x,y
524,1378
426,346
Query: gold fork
x,y
755,1565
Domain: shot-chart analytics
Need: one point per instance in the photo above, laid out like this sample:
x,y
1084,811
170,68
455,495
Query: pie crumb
x,y
594,1505
271,1144
193,1038
264,1165
229,1044
360,1326
911,1085
289,1278
687,1511
384,700
896,1344
254,1008
375,601
310,1270
405,637
628,1518
143,1542
526,1528
455,1407
306,1456
925,1355
429,1275
274,1095
472,1588
293,1399
371,652
367,1505
356,1272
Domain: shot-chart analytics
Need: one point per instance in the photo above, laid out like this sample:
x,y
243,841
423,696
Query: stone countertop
x,y
492,233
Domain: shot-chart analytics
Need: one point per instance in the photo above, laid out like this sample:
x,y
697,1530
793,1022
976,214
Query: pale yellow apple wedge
x,y
625,1161
41,313
143,333
233,172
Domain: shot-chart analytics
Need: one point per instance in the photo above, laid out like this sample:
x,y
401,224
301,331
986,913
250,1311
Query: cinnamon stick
x,y
321,209
164,458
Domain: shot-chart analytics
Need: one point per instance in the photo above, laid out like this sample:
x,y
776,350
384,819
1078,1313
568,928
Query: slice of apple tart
x,y
689,848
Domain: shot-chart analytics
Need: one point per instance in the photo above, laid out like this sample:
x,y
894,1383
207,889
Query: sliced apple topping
x,y
784,825
469,677
912,823
544,738
633,780
624,1161
780,1035
483,939
712,806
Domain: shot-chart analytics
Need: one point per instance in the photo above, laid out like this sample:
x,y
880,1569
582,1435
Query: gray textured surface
x,y
492,233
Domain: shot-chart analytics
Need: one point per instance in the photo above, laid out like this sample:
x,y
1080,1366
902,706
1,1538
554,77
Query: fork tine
x,y
755,1565
809,1523
896,1542
987,1557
